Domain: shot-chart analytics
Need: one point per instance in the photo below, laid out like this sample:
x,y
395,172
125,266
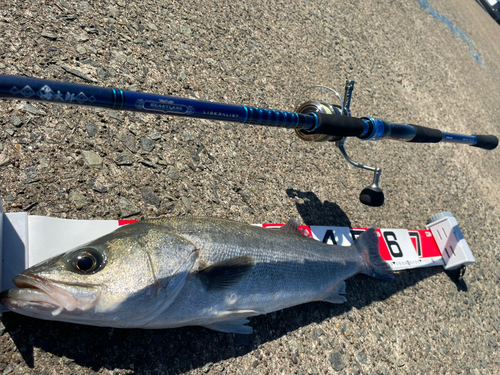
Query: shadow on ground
x,y
315,212
174,351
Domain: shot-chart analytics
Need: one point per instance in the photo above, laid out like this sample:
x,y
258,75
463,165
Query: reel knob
x,y
373,195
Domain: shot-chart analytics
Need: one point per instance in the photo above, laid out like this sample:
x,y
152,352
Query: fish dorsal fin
x,y
291,226
226,273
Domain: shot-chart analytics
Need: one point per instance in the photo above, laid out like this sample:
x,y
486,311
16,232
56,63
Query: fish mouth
x,y
37,294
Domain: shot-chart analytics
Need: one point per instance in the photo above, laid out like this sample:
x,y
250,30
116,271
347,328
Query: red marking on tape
x,y
429,246
125,222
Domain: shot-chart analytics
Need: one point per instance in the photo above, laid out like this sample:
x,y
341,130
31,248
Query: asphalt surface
x,y
433,63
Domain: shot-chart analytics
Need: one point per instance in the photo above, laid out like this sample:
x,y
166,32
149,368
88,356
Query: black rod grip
x,y
338,125
488,142
427,135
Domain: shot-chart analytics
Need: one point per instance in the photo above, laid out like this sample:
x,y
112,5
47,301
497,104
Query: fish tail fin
x,y
368,245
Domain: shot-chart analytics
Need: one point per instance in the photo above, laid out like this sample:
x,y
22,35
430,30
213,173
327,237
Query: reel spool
x,y
317,107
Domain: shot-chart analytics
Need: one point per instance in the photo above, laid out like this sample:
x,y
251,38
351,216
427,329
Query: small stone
x,y
209,60
129,142
9,131
80,49
187,203
16,121
185,30
78,199
207,367
255,363
316,333
31,175
150,197
362,357
2,328
33,110
147,144
48,35
4,160
188,137
154,136
82,37
124,159
98,188
116,116
182,76
9,198
293,346
127,208
147,163
169,206
83,6
336,361
102,73
445,331
91,129
152,26
77,73
92,159
8,370
2,66
130,60
173,174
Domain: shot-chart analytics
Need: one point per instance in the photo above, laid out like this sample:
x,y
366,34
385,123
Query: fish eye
x,y
87,261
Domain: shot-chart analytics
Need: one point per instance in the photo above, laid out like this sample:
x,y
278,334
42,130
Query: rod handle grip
x,y
487,142
426,135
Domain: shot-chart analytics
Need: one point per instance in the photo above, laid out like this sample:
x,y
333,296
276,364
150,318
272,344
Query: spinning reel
x,y
371,195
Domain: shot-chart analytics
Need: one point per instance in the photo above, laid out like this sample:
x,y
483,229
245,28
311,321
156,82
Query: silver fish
x,y
173,272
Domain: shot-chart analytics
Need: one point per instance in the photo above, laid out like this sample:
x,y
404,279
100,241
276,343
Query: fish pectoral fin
x,y
336,296
231,326
226,273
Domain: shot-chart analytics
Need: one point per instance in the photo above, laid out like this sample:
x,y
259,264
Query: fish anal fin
x,y
336,296
224,274
231,326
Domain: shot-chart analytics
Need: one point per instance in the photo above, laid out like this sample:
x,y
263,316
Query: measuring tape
x,y
26,240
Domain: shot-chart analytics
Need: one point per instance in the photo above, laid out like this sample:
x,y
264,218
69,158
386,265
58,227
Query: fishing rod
x,y
313,120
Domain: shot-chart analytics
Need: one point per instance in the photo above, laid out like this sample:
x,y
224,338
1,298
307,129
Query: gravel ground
x,y
410,63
